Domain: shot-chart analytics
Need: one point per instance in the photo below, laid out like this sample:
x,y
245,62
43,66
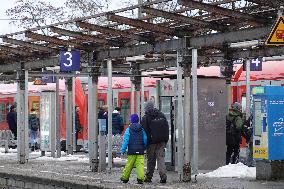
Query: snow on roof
x,y
271,70
6,89
117,82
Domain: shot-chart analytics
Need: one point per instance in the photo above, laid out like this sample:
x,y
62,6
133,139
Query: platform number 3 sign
x,y
69,61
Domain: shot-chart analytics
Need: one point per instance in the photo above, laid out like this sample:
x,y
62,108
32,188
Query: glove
x,y
123,156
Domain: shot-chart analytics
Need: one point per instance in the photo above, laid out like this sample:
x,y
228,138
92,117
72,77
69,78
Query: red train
x,y
121,98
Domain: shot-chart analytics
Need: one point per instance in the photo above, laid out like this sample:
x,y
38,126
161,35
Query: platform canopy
x,y
214,27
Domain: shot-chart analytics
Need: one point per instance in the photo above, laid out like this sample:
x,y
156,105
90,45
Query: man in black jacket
x,y
78,127
156,126
12,121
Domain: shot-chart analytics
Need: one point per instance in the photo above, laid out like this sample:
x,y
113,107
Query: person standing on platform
x,y
34,125
157,128
234,129
135,139
12,121
78,126
117,122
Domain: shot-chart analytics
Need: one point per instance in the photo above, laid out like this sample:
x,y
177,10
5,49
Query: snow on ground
x,y
36,155
233,171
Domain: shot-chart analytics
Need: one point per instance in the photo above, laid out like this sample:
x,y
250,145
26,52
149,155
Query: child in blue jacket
x,y
135,139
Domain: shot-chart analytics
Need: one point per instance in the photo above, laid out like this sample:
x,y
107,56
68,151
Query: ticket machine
x,y
268,122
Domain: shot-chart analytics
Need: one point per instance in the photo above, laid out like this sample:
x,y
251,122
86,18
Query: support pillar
x,y
187,124
58,144
132,105
229,92
22,117
53,127
248,88
109,103
68,112
93,122
137,83
142,111
73,115
227,70
194,113
180,118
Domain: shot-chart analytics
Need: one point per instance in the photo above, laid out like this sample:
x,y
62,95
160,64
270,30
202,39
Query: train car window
x,y
125,110
2,112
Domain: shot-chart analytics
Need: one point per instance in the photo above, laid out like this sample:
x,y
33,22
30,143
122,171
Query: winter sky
x,y
6,4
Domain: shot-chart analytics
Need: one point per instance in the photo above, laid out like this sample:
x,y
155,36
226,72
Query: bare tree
x,y
31,13
81,8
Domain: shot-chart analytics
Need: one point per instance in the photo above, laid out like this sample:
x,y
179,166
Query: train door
x,y
5,104
124,104
168,108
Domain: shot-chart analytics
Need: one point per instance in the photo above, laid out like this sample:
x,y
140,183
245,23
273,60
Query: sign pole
x,y
248,88
109,103
58,145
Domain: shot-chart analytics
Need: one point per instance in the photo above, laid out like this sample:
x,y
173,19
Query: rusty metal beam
x,y
274,3
102,29
115,32
27,44
223,11
15,51
53,40
79,35
140,24
183,19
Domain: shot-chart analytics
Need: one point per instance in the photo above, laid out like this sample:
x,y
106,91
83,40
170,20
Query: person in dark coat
x,y
12,121
78,126
117,122
102,118
234,129
156,126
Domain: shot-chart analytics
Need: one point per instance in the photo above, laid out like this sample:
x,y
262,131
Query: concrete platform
x,y
73,173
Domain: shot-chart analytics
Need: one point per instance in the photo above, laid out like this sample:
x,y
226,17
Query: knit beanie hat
x,y
134,118
236,106
149,106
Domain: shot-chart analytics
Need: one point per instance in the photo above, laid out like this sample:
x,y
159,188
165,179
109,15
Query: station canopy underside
x,y
150,41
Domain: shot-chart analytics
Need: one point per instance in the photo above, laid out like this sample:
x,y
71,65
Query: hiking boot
x,y
163,181
148,180
139,181
124,181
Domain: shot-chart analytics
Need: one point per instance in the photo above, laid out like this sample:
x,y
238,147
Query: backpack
x,y
233,134
159,128
34,122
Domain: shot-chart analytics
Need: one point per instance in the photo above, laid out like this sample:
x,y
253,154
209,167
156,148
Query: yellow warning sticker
x,y
260,153
276,36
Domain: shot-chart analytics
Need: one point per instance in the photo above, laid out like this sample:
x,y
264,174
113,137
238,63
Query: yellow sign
x,y
276,36
260,153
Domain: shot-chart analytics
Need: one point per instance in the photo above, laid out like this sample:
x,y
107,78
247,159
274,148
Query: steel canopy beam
x,y
274,3
50,39
213,40
223,11
103,29
113,32
79,35
218,39
182,18
140,24
27,44
15,51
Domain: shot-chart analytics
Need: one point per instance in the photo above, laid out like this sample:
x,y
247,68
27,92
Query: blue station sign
x,y
69,61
